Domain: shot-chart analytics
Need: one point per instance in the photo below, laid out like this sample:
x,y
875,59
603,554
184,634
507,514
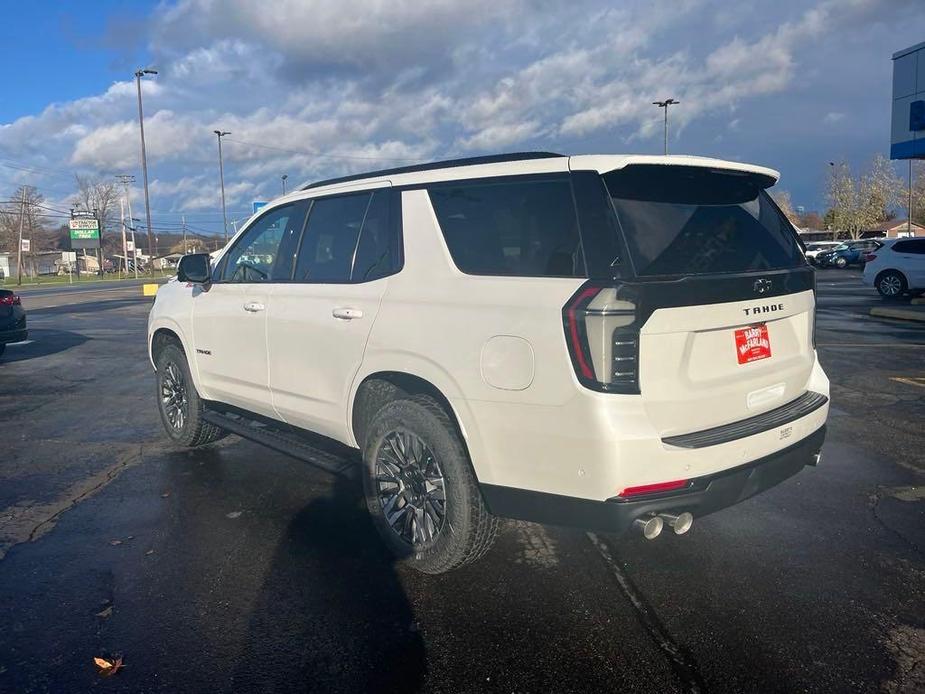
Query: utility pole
x,y
122,224
221,175
22,216
185,247
664,105
909,225
144,159
126,179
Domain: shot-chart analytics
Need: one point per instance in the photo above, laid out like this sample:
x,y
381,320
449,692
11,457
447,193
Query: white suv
x,y
596,341
896,267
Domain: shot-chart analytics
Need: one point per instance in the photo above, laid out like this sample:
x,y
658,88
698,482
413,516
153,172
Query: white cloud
x,y
387,83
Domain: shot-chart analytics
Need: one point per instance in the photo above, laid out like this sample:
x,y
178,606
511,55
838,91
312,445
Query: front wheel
x,y
841,263
891,284
178,403
420,488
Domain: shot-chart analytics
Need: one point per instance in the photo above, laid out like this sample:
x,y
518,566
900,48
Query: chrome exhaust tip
x,y
680,523
650,527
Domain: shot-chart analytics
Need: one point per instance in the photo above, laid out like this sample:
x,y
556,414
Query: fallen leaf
x,y
149,552
115,543
233,514
105,613
108,668
130,537
165,495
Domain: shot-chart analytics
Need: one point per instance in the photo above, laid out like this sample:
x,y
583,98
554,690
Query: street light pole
x,y
221,175
283,179
664,105
144,159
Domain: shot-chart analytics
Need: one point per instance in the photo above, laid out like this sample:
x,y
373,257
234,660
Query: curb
x,y
920,301
899,313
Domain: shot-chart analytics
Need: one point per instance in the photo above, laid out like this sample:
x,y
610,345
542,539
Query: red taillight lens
x,y
603,338
10,300
655,488
869,256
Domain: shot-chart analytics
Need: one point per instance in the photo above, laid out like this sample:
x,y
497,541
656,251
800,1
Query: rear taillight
x,y
656,488
869,257
603,337
10,300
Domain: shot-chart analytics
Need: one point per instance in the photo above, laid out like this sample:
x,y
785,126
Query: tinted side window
x,y
912,246
330,239
515,227
265,252
377,248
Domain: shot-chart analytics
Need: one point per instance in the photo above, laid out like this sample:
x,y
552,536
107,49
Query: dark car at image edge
x,y
12,319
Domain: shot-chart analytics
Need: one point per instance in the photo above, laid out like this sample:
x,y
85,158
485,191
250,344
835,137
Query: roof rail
x,y
447,164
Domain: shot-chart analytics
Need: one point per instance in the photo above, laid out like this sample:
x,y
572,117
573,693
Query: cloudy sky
x,y
314,88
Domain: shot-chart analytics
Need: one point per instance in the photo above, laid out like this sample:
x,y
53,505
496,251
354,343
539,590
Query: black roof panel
x,y
447,164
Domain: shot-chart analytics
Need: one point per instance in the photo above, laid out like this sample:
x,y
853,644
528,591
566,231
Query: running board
x,y
345,463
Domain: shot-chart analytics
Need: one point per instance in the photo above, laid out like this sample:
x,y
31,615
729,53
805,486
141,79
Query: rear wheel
x,y
178,403
420,488
841,263
891,284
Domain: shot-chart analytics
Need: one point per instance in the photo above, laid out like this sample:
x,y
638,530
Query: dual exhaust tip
x,y
652,526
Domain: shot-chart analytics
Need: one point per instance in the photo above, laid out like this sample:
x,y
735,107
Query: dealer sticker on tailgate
x,y
752,343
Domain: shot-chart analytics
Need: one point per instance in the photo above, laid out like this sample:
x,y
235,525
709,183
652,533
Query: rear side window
x,y
377,252
690,220
330,238
913,247
524,226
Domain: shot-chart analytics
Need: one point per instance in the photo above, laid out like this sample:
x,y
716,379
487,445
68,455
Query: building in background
x,y
907,133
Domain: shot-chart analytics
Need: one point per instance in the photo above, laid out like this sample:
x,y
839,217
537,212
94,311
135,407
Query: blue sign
x,y
258,205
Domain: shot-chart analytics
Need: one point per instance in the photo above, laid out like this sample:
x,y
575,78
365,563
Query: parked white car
x,y
814,248
605,342
898,266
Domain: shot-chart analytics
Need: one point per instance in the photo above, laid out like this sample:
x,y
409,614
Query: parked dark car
x,y
12,319
848,253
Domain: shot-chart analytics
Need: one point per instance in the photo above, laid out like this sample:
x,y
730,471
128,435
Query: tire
x,y
891,284
178,403
412,451
841,263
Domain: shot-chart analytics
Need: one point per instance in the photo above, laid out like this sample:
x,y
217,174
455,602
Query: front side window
x,y
265,252
680,220
524,227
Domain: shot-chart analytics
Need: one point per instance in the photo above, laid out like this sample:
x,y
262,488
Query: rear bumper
x,y
705,494
7,336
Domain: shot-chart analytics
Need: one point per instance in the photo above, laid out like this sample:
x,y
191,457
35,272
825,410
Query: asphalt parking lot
x,y
234,568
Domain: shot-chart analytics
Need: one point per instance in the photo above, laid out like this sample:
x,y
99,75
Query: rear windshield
x,y
681,220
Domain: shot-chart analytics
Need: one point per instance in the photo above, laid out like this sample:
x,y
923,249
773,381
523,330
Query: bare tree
x,y
879,191
782,198
101,195
33,221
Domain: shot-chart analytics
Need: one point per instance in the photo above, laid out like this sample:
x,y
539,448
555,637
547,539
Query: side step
x,y
345,462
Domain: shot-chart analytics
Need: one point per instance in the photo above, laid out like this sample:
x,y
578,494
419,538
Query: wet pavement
x,y
234,568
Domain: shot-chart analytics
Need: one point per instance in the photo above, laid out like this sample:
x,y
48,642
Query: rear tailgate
x,y
708,365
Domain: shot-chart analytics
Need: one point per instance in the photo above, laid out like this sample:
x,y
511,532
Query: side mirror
x,y
195,268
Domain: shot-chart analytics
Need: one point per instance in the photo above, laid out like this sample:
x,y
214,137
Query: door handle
x,y
347,313
254,306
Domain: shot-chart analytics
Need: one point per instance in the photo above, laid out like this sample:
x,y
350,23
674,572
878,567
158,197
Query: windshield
x,y
680,220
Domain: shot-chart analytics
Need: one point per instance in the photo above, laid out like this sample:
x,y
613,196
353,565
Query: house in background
x,y
893,229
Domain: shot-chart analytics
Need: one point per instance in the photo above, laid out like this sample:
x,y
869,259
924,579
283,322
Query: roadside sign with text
x,y
130,246
84,232
26,245
69,257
